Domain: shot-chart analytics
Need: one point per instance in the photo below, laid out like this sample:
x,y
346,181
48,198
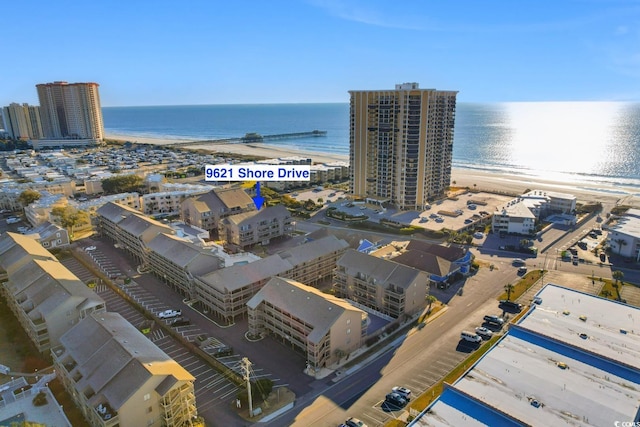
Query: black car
x,y
510,305
395,399
494,320
223,351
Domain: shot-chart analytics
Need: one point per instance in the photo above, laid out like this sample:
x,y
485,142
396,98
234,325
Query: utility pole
x,y
246,366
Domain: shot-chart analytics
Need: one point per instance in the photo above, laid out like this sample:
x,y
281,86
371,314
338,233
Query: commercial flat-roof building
x,y
70,111
324,328
572,360
624,235
45,296
383,285
519,215
118,377
401,144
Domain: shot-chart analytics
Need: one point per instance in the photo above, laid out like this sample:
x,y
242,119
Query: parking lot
x,y
468,210
212,389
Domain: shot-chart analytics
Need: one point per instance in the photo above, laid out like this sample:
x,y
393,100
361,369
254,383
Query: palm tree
x,y
618,275
509,288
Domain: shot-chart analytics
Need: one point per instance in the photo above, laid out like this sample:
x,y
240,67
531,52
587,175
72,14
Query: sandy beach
x,y
475,179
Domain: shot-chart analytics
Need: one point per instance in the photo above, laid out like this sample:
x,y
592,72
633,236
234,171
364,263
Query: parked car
x,y
354,422
494,320
168,314
395,399
90,248
478,235
603,257
470,336
402,391
518,261
510,305
223,351
12,220
484,332
522,271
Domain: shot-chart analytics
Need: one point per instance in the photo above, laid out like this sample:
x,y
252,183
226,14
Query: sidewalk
x,y
400,336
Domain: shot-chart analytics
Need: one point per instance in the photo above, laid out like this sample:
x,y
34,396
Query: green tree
x,y
618,275
122,184
509,289
28,196
70,217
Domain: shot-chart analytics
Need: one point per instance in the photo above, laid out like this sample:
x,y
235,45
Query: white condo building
x,y
22,121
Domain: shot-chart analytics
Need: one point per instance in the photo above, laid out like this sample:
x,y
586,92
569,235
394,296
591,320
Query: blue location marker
x,y
258,200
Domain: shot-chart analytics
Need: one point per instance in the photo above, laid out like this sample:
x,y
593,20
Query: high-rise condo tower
x,y
401,144
70,110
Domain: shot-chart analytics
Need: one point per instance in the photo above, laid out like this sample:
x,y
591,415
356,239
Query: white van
x,y
470,336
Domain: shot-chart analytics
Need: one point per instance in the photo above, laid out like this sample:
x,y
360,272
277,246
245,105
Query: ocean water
x,y
579,143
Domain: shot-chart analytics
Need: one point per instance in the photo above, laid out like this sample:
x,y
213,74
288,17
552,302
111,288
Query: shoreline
x,y
607,193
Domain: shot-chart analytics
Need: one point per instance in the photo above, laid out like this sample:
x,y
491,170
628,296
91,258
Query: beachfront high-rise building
x,y
22,121
401,144
70,110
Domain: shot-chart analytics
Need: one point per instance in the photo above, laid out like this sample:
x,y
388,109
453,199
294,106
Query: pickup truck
x,y
168,314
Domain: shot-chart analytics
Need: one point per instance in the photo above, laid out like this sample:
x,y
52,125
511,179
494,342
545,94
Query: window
x,y
147,397
149,409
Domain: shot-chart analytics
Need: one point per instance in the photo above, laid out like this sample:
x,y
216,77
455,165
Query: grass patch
x,y
431,394
523,285
609,290
435,307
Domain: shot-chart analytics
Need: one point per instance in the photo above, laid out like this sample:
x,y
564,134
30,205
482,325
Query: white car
x,y
402,391
12,220
168,314
90,248
484,332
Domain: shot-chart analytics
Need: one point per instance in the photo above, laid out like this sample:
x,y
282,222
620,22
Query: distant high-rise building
x,y
401,144
22,121
70,110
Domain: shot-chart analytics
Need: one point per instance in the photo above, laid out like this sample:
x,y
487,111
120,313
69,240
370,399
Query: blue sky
x,y
156,52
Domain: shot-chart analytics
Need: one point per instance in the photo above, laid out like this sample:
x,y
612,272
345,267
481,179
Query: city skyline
x,y
318,50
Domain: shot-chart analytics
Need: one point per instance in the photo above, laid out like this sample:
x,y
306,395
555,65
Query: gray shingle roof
x,y
381,270
16,249
313,249
115,212
450,253
184,254
312,306
115,359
